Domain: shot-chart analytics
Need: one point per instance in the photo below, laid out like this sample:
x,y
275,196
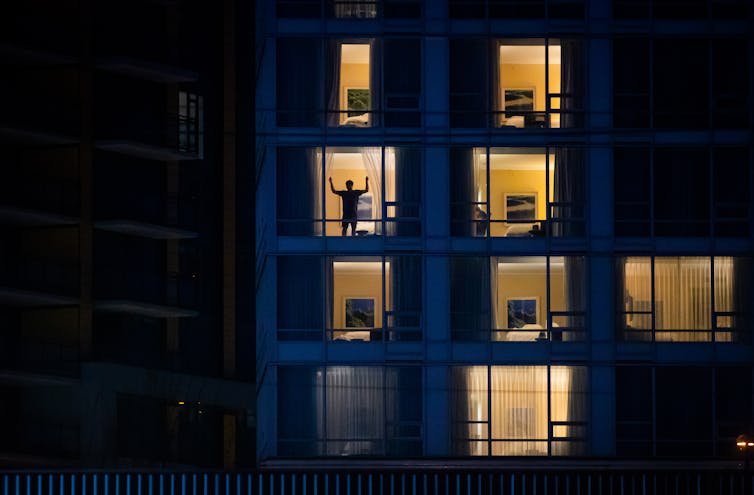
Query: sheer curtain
x,y
405,297
574,273
317,163
355,411
403,186
519,410
300,282
298,181
469,397
375,81
372,158
683,299
495,99
470,298
571,84
568,192
462,192
569,403
334,48
494,310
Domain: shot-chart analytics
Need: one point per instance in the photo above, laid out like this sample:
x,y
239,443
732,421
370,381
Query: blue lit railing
x,y
638,480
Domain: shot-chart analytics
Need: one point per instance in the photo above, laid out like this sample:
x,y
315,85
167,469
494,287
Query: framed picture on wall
x,y
519,100
522,311
359,312
521,206
357,101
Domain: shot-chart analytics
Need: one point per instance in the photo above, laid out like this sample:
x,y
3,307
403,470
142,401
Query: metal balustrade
x,y
370,481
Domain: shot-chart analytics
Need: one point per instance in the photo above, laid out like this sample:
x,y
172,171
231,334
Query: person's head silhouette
x,y
349,184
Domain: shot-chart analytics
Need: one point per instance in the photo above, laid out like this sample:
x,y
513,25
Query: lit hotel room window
x,y
375,298
306,204
351,81
517,192
354,9
522,83
355,299
518,299
519,410
349,410
683,299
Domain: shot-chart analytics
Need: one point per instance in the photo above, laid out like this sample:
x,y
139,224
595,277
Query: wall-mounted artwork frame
x,y
518,100
357,100
522,311
520,207
358,312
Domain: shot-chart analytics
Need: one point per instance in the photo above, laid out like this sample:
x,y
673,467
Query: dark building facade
x,y
551,253
122,342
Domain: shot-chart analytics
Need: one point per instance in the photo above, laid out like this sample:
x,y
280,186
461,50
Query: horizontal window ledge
x,y
143,69
34,218
143,309
146,151
27,298
148,230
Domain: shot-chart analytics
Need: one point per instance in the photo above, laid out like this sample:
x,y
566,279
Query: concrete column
x,y
437,412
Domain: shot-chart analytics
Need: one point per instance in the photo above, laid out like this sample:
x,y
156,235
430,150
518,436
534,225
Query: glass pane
x,y
520,309
635,297
682,298
518,402
568,276
357,299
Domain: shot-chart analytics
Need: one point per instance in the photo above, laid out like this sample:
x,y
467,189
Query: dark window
x,y
681,191
299,89
731,191
733,408
633,411
632,191
402,82
684,411
468,82
299,298
685,105
301,9
730,83
631,70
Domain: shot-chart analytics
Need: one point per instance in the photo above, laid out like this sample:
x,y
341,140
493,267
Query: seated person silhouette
x,y
350,199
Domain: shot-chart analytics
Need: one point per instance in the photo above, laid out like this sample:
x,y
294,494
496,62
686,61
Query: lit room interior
x,y
520,312
525,83
354,98
683,300
519,420
356,164
357,299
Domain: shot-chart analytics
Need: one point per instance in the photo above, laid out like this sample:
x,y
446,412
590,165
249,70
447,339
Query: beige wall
x,y
362,283
529,282
521,76
352,76
504,182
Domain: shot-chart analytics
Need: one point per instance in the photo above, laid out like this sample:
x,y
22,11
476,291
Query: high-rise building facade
x,y
504,228
121,343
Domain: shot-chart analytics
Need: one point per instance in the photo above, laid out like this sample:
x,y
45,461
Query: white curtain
x,y
390,211
323,188
372,158
519,410
362,9
683,295
355,411
518,401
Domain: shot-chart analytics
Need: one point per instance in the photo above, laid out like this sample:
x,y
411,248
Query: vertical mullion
x,y
654,406
713,315
549,412
383,206
547,80
487,192
652,190
548,204
383,333
652,295
548,313
489,411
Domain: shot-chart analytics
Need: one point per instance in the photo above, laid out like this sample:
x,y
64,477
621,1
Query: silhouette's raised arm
x,y
366,190
332,188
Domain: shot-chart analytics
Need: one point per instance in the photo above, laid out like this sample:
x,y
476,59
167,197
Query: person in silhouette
x,y
350,199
